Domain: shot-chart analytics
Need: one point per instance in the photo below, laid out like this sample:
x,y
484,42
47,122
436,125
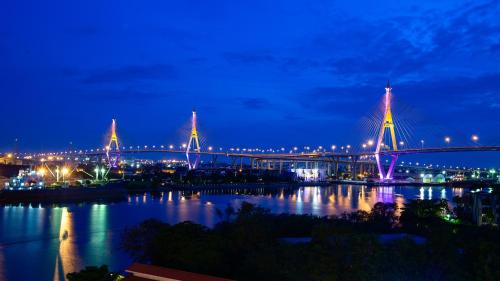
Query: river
x,y
44,243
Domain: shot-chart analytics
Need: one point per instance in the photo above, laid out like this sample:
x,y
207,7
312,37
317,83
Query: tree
x,y
137,241
382,215
422,214
93,273
254,244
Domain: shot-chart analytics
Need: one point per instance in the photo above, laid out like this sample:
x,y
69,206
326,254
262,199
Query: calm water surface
x,y
45,243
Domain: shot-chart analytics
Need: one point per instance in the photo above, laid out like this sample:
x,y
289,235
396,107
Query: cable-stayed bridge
x,y
370,159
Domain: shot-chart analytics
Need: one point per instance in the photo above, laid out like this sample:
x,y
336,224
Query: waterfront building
x,y
26,179
310,174
485,207
429,178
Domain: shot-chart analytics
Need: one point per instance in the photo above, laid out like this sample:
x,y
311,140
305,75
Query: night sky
x,y
259,73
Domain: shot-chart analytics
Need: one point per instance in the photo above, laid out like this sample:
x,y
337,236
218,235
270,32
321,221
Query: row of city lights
x,y
183,146
347,147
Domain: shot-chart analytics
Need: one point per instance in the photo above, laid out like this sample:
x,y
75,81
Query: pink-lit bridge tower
x,y
387,123
113,152
193,145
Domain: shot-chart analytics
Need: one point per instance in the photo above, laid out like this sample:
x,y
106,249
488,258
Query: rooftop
x,y
145,272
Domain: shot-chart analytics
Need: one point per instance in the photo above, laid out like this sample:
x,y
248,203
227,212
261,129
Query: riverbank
x,y
294,185
475,184
111,192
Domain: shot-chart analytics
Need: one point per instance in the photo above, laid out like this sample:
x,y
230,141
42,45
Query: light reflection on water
x,y
68,258
58,240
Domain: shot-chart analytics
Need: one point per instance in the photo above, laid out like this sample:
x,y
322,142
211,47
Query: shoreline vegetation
x,y
416,242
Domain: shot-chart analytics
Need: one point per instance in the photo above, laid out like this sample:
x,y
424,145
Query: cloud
x,y
131,73
84,31
414,45
128,95
495,48
254,103
457,93
249,57
402,47
470,28
70,72
339,94
339,102
285,64
436,98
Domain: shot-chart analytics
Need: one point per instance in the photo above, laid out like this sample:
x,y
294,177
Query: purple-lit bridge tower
x,y
387,123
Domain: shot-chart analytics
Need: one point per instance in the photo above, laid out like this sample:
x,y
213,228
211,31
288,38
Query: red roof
x,y
134,278
149,272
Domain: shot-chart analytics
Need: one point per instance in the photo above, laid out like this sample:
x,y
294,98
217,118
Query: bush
x,y
93,273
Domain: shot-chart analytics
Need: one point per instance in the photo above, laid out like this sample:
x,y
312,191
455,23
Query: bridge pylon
x,y
113,155
387,123
193,145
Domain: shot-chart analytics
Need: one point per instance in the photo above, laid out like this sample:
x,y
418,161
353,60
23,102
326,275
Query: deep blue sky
x,y
258,72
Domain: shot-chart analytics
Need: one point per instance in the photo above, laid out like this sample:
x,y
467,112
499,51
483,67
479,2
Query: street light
x,y
57,173
422,143
41,172
370,142
475,138
102,172
447,140
64,172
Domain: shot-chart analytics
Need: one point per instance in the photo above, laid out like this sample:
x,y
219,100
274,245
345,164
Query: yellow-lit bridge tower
x,y
113,155
193,144
387,123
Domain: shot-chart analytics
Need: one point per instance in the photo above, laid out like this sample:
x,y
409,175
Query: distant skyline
x,y
259,73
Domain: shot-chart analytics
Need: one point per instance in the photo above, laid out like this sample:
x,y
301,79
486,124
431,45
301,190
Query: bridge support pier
x,y
361,168
233,163
354,170
337,167
214,161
